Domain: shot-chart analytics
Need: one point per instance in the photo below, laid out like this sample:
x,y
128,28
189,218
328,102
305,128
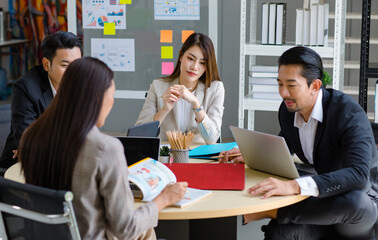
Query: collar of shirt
x,y
317,113
52,88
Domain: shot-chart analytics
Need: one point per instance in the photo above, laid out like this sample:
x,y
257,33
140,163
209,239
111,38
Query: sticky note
x,y
185,34
166,36
166,52
109,29
124,1
167,68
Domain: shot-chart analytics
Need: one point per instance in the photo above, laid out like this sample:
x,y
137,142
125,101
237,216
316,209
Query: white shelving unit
x,y
336,53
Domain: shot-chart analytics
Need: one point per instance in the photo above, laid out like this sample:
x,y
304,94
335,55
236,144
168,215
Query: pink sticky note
x,y
167,68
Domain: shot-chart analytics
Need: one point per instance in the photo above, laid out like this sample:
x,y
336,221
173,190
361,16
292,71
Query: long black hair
x,y
49,148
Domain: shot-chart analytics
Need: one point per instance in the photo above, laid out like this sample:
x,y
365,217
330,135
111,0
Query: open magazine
x,y
149,177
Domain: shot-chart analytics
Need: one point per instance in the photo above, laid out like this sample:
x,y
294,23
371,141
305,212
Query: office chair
x,y
32,212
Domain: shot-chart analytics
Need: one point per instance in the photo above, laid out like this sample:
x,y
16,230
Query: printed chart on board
x,y
177,9
117,53
97,12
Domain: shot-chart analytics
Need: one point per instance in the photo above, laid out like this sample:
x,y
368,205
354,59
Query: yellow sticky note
x,y
166,36
185,34
109,28
166,52
124,1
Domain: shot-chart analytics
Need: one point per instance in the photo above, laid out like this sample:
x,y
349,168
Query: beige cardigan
x,y
207,131
103,201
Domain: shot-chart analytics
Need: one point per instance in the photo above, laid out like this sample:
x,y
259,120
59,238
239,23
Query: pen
x,y
231,155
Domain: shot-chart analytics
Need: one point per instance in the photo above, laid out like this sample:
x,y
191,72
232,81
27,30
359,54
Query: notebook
x,y
138,148
207,151
266,152
150,129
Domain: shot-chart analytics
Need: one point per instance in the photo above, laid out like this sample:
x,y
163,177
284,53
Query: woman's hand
x,y
226,158
188,96
170,97
172,193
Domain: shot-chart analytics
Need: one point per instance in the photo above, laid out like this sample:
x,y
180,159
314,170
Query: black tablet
x,y
150,129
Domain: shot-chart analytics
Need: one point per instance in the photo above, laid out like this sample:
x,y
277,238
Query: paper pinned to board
x,y
109,29
166,52
166,36
167,68
185,34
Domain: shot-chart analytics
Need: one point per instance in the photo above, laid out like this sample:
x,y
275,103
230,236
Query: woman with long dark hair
x,y
191,98
65,150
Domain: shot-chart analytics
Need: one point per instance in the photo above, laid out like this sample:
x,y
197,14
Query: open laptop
x,y
266,152
150,129
138,148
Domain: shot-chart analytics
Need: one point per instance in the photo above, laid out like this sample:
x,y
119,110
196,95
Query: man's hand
x,y
227,157
15,154
274,187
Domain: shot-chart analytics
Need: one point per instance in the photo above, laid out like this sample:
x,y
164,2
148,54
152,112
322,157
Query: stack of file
x,y
312,24
263,82
273,23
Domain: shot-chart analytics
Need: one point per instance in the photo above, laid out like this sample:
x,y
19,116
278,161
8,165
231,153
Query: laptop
x,y
138,148
150,129
267,153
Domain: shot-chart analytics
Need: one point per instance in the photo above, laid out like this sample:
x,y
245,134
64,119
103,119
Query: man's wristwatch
x,y
198,109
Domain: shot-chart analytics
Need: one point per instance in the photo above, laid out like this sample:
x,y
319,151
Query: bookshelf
x,y
367,69
335,53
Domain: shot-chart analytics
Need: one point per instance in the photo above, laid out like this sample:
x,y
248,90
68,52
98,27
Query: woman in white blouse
x,y
191,98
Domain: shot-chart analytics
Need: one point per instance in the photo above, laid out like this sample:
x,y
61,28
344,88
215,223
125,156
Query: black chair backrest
x,y
5,122
36,199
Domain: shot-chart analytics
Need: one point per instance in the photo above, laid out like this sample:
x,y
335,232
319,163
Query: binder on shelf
x,y
299,27
313,24
264,74
262,81
281,23
264,23
265,88
272,23
306,27
210,176
261,68
326,16
321,25
266,95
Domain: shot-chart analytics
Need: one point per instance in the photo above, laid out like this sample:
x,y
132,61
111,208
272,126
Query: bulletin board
x,y
154,38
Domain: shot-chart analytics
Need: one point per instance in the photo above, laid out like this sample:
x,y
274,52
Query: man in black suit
x,y
33,92
330,131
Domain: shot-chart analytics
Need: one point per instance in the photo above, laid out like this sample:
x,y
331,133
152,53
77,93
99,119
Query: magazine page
x,y
151,177
192,195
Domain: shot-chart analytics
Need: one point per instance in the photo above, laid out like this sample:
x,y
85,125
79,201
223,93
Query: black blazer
x,y
31,94
345,154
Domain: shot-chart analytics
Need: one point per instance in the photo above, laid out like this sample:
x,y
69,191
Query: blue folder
x,y
207,151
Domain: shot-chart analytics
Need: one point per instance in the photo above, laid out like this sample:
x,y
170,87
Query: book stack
x,y
312,24
263,82
273,27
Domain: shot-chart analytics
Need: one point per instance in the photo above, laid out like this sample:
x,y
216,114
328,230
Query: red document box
x,y
212,176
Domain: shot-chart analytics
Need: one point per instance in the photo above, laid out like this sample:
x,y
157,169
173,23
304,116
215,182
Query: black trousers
x,y
348,216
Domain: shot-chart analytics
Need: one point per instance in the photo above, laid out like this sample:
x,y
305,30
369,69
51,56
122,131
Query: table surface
x,y
220,203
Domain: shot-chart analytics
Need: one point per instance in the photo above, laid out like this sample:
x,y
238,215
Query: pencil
x,y
231,155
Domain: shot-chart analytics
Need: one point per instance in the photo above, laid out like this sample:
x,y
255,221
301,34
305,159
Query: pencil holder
x,y
180,156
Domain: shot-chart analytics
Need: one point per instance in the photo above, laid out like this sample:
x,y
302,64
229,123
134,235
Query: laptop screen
x,y
138,148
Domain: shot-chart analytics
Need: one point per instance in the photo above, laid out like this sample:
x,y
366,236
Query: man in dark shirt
x,y
33,92
330,131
